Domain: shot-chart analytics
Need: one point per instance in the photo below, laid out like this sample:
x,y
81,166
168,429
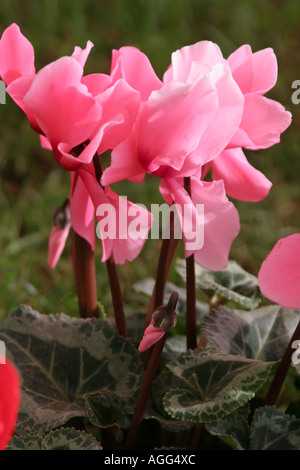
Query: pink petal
x,y
62,106
173,121
64,155
98,197
151,336
120,105
190,220
96,83
81,55
226,120
279,274
122,242
124,163
16,55
254,73
82,211
221,224
17,90
242,181
10,398
133,226
134,66
45,144
205,53
262,124
56,244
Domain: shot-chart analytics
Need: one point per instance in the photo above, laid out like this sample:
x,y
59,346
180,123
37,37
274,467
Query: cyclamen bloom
x,y
9,401
262,123
69,110
76,117
177,130
279,274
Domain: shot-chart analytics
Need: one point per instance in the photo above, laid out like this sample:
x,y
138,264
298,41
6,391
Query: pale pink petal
x,y
63,153
262,123
61,104
45,144
226,120
279,275
17,90
98,197
81,55
151,336
82,211
96,83
120,105
215,228
56,244
133,226
221,223
254,73
242,181
190,220
131,223
124,163
16,55
205,53
173,121
134,66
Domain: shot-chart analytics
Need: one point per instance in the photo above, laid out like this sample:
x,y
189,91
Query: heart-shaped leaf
x,y
272,429
232,283
262,334
60,439
233,429
60,359
217,385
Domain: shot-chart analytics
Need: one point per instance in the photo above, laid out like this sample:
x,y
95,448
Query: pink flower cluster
x,y
197,118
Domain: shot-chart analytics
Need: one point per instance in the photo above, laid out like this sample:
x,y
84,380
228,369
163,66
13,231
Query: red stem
x,y
191,332
116,294
85,276
281,373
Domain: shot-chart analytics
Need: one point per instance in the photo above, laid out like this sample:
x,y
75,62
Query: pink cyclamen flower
x,y
69,110
9,401
183,122
279,274
177,130
262,123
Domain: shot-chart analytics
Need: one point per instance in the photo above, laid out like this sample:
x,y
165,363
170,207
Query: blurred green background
x,y
32,185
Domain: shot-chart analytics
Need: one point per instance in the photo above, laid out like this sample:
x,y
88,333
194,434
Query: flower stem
x,y
191,332
281,373
85,276
167,253
142,399
116,294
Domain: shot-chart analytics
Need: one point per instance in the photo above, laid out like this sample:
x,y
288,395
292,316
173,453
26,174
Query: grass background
x,y
32,185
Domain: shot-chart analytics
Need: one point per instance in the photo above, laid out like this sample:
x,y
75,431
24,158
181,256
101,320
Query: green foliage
x,y
60,439
232,283
61,359
217,384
